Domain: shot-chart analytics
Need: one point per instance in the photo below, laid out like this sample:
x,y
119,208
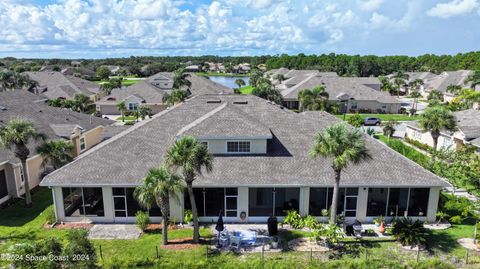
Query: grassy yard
x,y
384,117
19,224
125,82
246,90
126,118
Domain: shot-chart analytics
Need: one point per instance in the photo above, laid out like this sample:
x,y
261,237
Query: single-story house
x,y
151,91
57,85
261,168
442,81
468,131
353,94
84,131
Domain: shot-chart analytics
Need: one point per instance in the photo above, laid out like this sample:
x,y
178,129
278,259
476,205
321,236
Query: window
x,y
125,204
353,105
3,184
238,146
214,201
79,202
205,143
447,142
272,201
377,202
418,202
321,198
132,106
83,145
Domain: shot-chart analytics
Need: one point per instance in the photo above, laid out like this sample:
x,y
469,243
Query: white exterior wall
x,y
362,201
58,202
426,138
433,204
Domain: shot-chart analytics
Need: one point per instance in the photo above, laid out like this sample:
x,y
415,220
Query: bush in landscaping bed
x,y
409,232
418,144
142,220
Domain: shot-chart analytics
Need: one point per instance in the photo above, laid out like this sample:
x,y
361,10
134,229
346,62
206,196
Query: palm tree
x,y
399,80
190,157
454,89
266,90
389,128
180,79
343,145
415,95
122,107
280,78
144,111
240,82
474,79
158,186
434,120
386,85
57,153
177,96
316,99
82,103
16,134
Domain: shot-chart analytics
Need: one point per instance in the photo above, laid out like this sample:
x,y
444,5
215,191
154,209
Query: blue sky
x,y
121,28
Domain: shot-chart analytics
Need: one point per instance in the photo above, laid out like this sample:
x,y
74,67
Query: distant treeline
x,y
344,65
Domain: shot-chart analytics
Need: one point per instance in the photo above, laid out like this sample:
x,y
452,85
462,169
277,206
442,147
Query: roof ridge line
x,y
292,89
201,119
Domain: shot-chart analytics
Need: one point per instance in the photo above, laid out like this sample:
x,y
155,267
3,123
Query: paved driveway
x,y
114,231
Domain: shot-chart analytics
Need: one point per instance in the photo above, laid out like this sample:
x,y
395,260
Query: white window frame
x,y
234,152
134,105
84,143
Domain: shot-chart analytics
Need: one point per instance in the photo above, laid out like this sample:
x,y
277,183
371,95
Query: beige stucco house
x,y
82,130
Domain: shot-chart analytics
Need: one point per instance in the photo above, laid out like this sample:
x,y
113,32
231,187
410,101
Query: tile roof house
x,y
353,94
468,131
261,167
57,85
150,92
56,123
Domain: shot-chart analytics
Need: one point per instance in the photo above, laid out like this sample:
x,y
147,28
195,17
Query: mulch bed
x,y
180,244
70,226
158,227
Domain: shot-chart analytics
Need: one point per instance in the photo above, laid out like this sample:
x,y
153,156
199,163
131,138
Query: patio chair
x,y
235,243
224,238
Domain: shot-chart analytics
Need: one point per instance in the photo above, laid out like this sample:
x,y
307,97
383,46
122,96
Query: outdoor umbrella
x,y
219,227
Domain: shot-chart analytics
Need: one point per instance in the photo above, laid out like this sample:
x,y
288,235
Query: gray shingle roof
x,y
468,122
52,121
445,79
287,161
59,85
336,86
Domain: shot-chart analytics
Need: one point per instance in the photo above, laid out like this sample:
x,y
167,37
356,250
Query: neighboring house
x,y
468,122
150,93
56,123
445,79
80,72
192,68
261,167
114,69
57,85
353,94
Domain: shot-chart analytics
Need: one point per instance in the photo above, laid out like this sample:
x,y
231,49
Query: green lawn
x,y
384,117
125,82
126,118
246,90
19,224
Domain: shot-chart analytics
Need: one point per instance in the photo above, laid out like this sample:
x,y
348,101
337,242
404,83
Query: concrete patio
x,y
114,231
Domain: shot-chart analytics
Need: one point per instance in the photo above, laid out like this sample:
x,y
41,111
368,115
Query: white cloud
x,y
369,5
453,8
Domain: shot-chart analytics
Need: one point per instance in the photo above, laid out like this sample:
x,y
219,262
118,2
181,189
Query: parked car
x,y
372,121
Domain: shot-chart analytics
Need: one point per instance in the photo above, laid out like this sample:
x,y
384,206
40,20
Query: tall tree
x,y
390,128
175,97
189,157
82,103
316,99
454,89
144,111
122,107
343,145
10,80
56,153
103,72
415,95
266,90
157,188
180,79
240,82
474,79
436,119
16,135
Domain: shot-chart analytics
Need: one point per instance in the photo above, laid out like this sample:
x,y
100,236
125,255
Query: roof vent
x,y
214,101
242,102
2,108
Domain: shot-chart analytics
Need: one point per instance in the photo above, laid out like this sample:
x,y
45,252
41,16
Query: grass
x,y
215,74
125,82
127,118
384,117
246,90
20,224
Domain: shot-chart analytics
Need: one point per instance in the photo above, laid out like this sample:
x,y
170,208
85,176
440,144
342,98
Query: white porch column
x,y
58,203
108,204
242,202
176,207
304,201
362,202
433,203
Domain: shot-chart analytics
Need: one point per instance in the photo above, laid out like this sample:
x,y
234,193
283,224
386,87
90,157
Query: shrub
x,y
310,222
50,216
129,123
81,248
418,144
458,208
333,233
355,120
187,216
294,219
142,220
409,232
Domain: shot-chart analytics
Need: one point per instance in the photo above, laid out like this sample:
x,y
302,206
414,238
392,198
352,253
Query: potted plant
x,y
188,217
378,220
